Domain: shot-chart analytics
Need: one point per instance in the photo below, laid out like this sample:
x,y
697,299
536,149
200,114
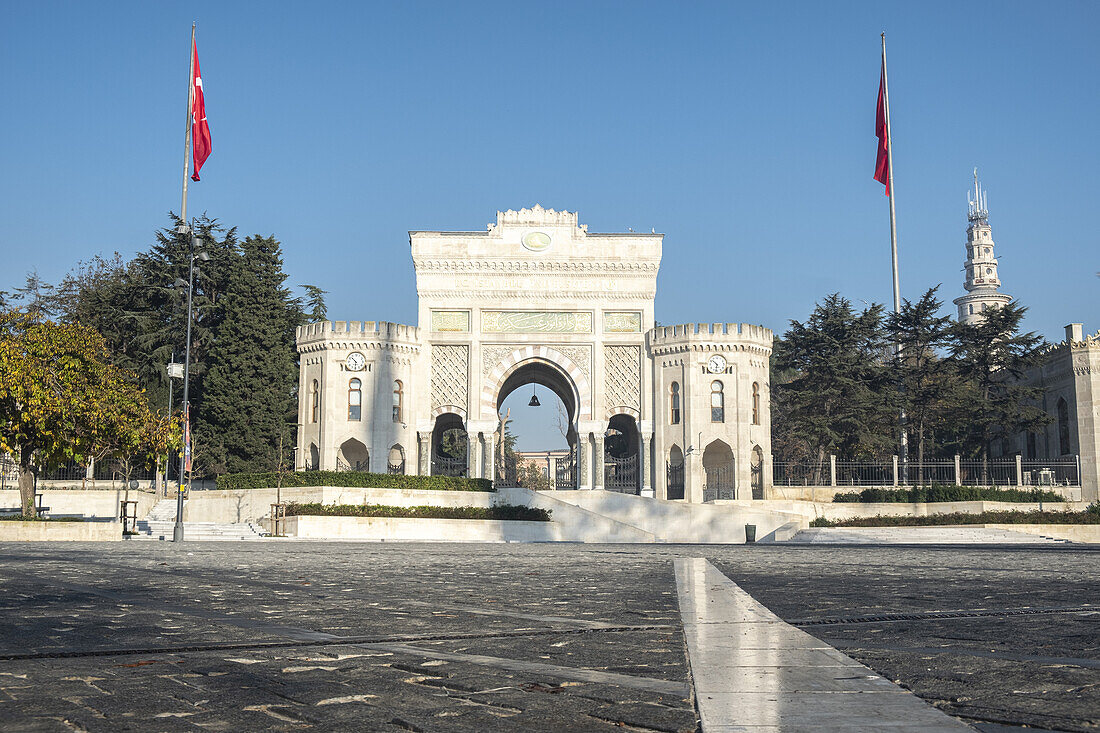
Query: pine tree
x,y
992,358
839,397
927,379
249,390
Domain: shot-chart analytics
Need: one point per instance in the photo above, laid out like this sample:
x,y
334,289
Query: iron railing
x,y
1051,472
396,468
565,474
864,473
447,466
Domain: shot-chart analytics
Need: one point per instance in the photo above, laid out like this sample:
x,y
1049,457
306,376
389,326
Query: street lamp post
x,y
175,371
177,530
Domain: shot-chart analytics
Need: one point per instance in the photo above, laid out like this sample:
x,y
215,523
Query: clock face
x,y
355,361
716,364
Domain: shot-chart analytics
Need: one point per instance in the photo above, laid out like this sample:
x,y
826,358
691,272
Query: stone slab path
x,y
753,672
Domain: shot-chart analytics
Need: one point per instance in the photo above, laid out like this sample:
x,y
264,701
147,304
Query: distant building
x,y
1069,375
981,281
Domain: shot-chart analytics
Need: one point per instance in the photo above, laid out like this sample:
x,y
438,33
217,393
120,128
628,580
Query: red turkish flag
x,y
882,163
200,131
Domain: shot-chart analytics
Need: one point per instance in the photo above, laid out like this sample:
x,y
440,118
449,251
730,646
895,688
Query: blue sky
x,y
744,131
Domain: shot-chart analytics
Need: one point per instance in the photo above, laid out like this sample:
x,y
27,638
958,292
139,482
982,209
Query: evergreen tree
x,y
249,391
839,397
927,379
992,358
315,308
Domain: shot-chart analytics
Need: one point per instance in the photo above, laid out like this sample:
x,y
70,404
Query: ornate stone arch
x,y
460,411
509,364
624,410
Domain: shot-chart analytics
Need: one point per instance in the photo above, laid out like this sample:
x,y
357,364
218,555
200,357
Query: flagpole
x,y
904,447
187,128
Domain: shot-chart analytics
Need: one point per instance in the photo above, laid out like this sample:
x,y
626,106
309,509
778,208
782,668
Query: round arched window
x,y
355,400
674,403
717,402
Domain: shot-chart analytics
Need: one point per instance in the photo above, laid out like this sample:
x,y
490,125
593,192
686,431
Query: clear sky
x,y
744,131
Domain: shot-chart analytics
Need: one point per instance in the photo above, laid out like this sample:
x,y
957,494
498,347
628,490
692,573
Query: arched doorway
x,y
675,469
756,473
620,458
449,446
718,467
352,456
528,376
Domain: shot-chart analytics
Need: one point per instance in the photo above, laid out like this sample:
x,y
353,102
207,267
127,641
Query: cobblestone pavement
x,y
431,637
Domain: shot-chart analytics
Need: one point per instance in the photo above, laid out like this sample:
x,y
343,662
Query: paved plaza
x,y
434,637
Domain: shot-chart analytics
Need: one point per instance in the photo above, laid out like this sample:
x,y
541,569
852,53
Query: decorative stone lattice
x,y
450,375
623,383
493,355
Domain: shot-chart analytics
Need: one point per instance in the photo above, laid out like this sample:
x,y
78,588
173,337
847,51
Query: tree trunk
x,y
26,482
920,453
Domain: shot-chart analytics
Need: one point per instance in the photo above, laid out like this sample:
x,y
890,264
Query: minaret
x,y
981,281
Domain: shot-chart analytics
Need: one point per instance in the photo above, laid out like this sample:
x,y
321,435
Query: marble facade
x,y
538,298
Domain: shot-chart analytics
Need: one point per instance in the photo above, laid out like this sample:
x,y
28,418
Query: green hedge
x,y
503,511
1088,516
936,492
354,479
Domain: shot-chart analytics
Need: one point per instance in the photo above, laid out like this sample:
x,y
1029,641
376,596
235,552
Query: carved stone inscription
x,y
454,321
535,322
622,322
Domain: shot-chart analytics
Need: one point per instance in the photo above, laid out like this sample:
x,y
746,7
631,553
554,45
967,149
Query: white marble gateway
x,y
537,298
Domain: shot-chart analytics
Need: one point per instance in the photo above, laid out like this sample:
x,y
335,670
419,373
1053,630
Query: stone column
x,y
490,457
471,455
425,454
583,451
645,463
597,463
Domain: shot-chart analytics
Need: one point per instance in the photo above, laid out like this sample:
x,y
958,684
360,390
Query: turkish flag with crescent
x,y
200,131
882,163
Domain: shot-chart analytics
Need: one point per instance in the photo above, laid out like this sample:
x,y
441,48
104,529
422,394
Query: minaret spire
x,y
981,282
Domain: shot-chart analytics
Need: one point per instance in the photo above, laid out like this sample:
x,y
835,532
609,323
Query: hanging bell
x,y
534,399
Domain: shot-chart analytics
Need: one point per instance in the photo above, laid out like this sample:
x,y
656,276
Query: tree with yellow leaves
x,y
62,399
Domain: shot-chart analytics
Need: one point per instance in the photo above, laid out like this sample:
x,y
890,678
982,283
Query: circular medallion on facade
x,y
536,241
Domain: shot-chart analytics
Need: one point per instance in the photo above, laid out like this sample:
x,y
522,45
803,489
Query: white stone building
x,y
536,298
981,282
1069,375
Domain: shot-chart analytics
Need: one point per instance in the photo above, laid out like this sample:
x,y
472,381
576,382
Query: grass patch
x,y
937,493
1088,516
502,511
352,479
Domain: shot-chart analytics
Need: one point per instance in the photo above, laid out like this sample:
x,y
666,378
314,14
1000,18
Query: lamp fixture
x,y
534,398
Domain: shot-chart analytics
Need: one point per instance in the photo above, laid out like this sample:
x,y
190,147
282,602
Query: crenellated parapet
x,y
687,337
362,335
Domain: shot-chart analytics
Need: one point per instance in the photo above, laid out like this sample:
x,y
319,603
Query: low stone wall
x,y
15,531
1088,533
392,529
251,505
90,503
812,510
675,521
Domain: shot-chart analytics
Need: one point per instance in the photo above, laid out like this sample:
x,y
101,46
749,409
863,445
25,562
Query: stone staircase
x,y
944,535
161,520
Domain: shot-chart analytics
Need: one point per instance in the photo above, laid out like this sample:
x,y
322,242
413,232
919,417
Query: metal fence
x,y
864,473
1051,472
889,471
721,483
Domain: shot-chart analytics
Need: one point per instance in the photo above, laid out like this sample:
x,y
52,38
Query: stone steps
x,y
945,535
198,531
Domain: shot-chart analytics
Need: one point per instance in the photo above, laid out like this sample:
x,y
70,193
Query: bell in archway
x,y
534,399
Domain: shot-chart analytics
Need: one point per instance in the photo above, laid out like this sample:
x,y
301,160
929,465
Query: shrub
x,y
502,511
352,479
938,492
997,517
